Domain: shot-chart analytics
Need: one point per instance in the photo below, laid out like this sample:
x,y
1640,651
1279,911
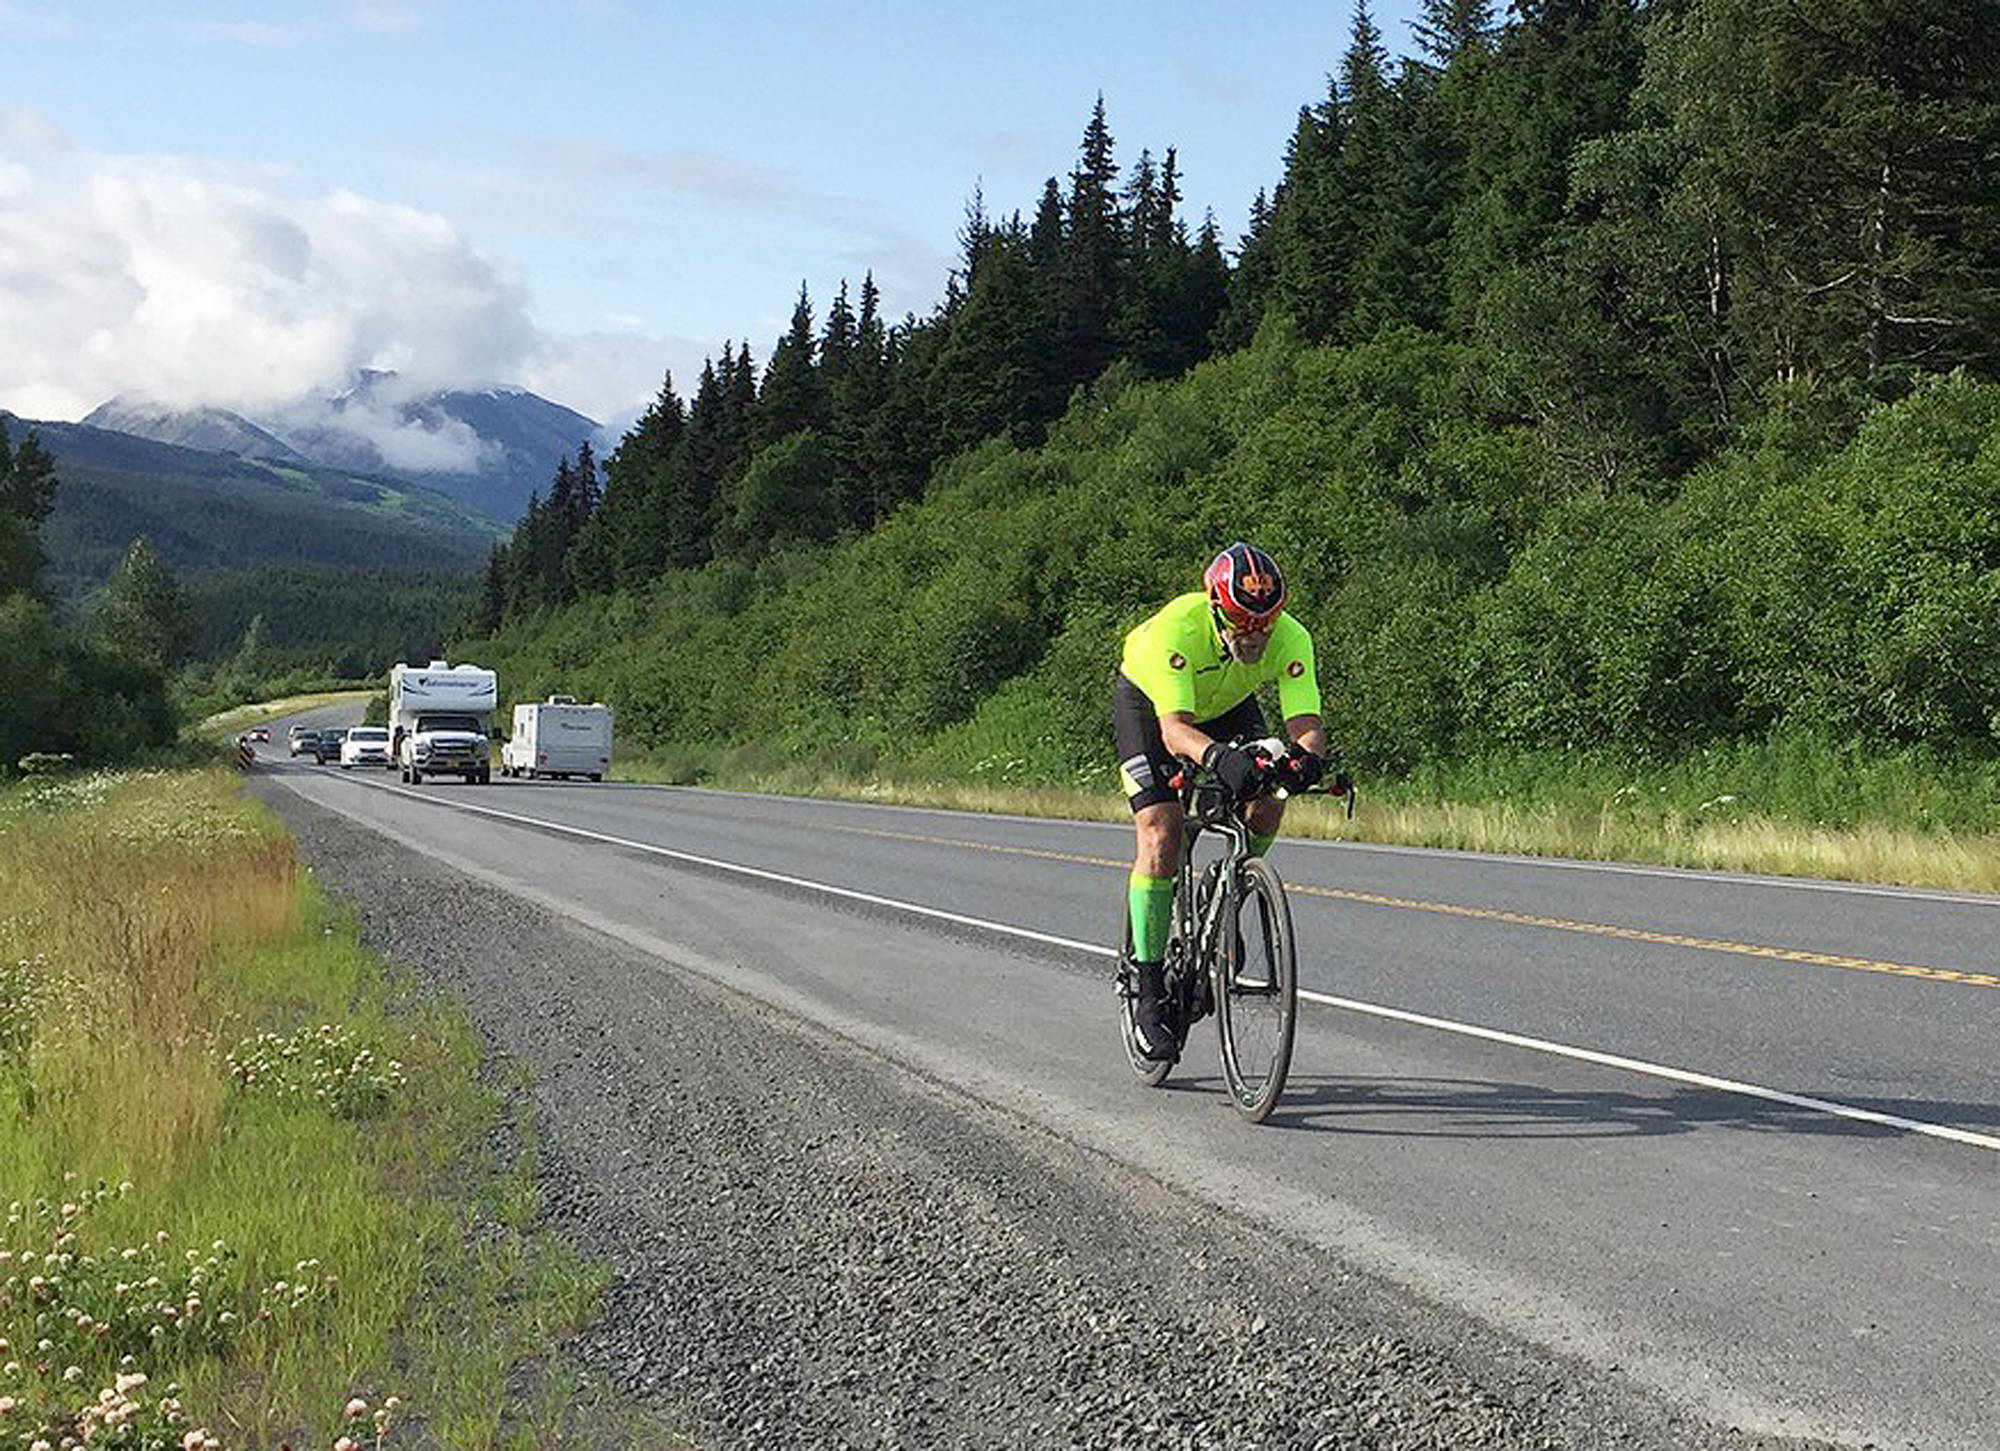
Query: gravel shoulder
x,y
813,1247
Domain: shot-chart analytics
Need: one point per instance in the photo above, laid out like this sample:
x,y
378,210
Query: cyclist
x,y
1186,687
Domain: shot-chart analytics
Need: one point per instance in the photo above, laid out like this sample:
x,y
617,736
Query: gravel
x,y
811,1247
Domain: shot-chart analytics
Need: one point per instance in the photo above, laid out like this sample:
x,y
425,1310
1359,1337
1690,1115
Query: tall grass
x,y
182,1012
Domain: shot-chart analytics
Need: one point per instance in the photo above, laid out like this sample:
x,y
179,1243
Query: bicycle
x,y
1247,978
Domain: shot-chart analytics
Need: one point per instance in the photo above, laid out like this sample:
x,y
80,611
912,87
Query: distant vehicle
x,y
304,740
558,737
327,744
365,746
259,733
442,716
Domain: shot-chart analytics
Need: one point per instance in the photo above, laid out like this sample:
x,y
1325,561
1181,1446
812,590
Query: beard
x,y
1246,649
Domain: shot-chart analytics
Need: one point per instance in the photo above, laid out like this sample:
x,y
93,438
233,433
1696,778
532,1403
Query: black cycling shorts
x,y
1144,763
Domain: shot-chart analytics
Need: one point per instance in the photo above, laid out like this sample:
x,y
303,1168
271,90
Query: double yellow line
x,y
1518,919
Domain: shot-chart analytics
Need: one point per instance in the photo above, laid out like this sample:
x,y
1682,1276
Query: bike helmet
x,y
1245,589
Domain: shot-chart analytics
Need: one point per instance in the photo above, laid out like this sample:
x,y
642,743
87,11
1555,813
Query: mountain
x,y
213,430
205,510
488,449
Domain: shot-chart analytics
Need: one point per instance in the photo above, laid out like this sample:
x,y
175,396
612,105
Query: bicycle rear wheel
x,y
1151,1072
1257,992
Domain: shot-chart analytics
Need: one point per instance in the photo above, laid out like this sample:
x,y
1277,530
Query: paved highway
x,y
1737,1138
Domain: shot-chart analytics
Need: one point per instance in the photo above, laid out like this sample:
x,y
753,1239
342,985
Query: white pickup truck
x,y
440,720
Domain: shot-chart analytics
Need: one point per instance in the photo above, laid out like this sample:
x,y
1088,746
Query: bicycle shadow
x,y
1480,1109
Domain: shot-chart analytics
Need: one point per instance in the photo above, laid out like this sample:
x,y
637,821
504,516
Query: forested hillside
x,y
1615,376
203,511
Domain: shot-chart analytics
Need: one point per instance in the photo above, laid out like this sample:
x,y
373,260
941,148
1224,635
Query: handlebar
x,y
1270,753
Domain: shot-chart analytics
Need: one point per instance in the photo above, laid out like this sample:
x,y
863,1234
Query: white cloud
x,y
193,283
622,370
369,432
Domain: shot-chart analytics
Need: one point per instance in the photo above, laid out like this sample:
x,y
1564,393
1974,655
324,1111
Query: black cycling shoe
x,y
1153,1014
1201,1002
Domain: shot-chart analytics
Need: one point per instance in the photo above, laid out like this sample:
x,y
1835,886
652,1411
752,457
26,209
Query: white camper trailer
x,y
558,737
440,718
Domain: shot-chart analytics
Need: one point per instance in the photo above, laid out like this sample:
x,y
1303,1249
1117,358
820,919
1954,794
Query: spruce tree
x,y
1153,254
27,496
988,370
1087,282
836,344
792,399
1045,237
1447,29
1253,283
1311,253
859,393
489,608
142,613
647,509
1561,77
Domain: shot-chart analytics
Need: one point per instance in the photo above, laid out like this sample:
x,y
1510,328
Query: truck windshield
x,y
449,723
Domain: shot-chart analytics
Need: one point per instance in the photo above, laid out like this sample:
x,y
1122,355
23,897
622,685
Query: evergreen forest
x,y
1608,376
97,695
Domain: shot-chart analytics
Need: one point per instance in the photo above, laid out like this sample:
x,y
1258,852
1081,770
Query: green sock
x,y
1261,844
1151,900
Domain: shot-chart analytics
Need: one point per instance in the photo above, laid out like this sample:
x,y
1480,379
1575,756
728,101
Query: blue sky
x,y
237,203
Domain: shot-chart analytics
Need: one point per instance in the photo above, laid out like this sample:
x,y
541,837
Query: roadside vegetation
x,y
253,1182
1632,450
1786,667
1795,807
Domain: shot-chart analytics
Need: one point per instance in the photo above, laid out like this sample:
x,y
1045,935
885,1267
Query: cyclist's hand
x,y
1341,785
1235,767
1305,769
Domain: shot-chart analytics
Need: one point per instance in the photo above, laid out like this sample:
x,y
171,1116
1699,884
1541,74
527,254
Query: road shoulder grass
x,y
1781,810
260,1184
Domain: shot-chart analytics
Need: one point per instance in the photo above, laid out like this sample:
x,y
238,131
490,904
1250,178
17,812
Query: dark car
x,y
327,747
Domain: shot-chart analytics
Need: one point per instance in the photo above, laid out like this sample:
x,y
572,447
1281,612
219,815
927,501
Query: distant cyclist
x,y
1186,687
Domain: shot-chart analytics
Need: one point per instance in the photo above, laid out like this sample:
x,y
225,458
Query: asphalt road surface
x,y
1736,1140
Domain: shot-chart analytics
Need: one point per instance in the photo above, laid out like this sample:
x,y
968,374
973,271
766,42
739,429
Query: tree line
x,y
96,694
1655,223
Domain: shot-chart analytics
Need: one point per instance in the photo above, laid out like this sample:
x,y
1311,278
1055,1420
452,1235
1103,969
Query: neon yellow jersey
x,y
1176,658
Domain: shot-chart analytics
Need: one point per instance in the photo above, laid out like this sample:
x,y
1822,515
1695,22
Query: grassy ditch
x,y
1795,806
248,1178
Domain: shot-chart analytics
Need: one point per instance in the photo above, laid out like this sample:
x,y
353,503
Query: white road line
x,y
1639,1066
758,872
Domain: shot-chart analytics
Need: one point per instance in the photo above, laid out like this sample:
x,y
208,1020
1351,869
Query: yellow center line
x,y
1494,914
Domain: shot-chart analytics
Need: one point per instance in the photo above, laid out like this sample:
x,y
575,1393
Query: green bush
x,y
1468,596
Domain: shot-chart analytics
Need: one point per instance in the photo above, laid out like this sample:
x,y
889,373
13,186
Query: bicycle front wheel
x,y
1257,992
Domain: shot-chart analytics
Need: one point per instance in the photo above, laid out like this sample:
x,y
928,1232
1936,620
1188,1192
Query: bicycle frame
x,y
1199,951
1208,809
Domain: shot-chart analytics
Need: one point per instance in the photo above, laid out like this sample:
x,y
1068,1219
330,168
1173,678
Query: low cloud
x,y
369,432
200,284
